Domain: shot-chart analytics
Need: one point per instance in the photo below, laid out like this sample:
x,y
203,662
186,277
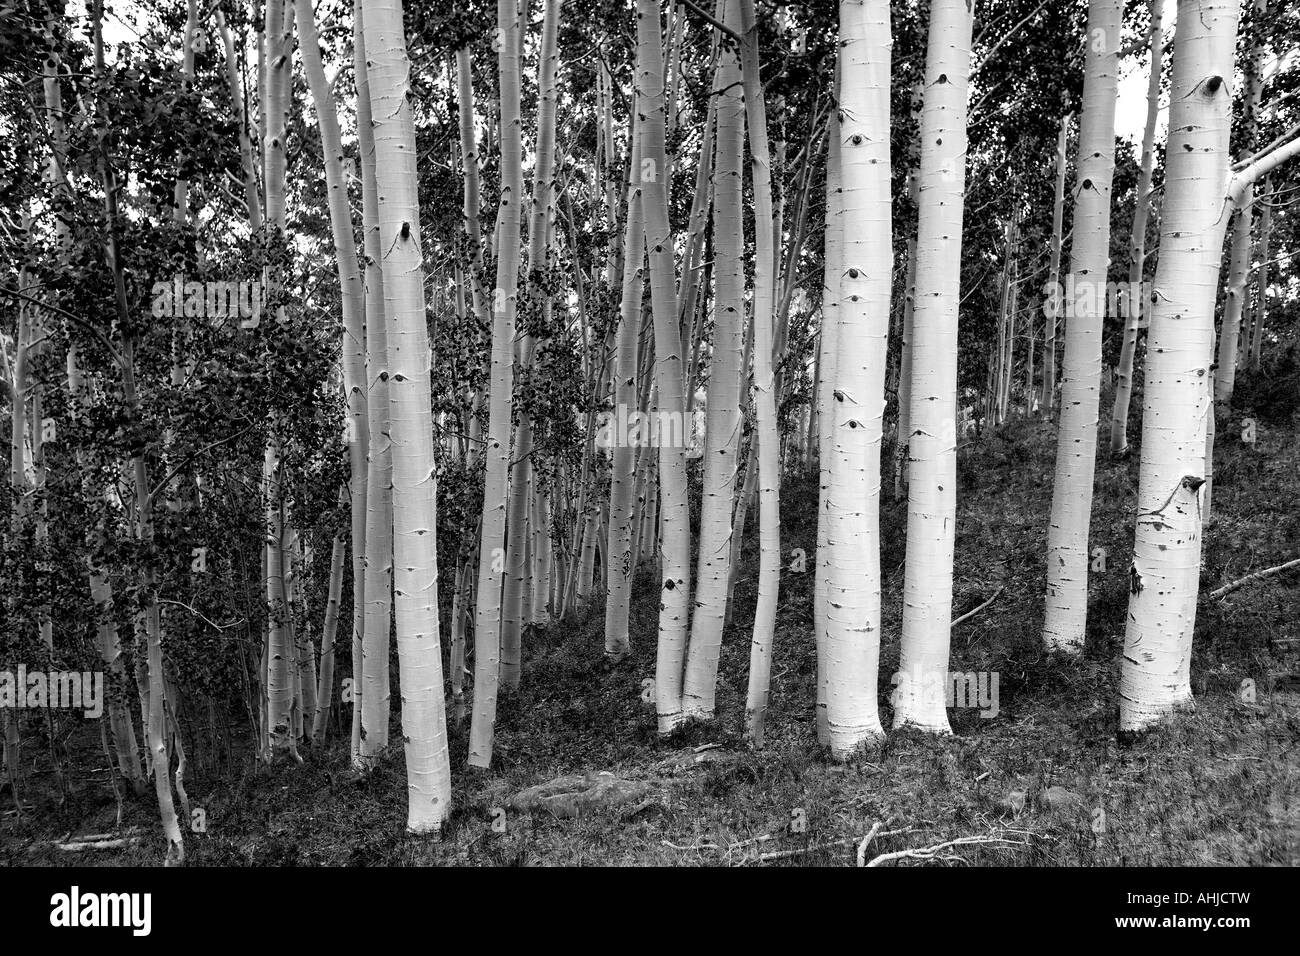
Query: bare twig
x,y
972,613
862,847
1258,575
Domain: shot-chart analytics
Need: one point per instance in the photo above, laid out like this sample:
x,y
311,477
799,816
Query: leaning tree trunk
x,y
1076,451
853,498
373,692
723,418
345,253
932,442
415,559
496,453
1234,303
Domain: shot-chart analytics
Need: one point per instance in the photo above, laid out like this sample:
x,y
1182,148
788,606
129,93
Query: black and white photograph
x,y
770,434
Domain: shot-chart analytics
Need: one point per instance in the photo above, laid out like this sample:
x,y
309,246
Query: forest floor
x,y
1220,785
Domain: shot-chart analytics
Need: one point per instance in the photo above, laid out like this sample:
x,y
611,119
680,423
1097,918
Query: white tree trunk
x,y
1054,304
517,569
766,433
1165,575
325,686
1234,302
354,315
932,441
1066,615
415,560
828,349
1135,304
853,499
674,607
620,563
496,453
723,419
372,690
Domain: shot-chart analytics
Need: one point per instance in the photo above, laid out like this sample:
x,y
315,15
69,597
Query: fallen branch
x,y
849,841
98,844
1258,575
862,847
970,614
934,852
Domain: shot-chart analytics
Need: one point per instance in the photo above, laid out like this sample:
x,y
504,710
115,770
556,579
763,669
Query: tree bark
x,y
932,443
415,559
1067,534
853,499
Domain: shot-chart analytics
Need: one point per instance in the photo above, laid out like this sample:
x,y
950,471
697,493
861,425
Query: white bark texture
x,y
853,499
674,606
932,442
1165,575
723,419
415,559
496,453
1066,614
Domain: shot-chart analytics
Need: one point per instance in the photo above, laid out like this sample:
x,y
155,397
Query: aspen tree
x,y
932,442
353,349
674,508
723,414
108,642
1256,341
234,84
853,498
372,693
470,208
512,614
496,453
1135,305
765,434
1155,677
1234,302
621,562
275,104
1054,304
149,616
1067,532
828,348
415,561
905,359
325,686
1164,579
1230,339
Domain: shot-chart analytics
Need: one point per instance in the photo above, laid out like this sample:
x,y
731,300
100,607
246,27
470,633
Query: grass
x,y
1218,785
